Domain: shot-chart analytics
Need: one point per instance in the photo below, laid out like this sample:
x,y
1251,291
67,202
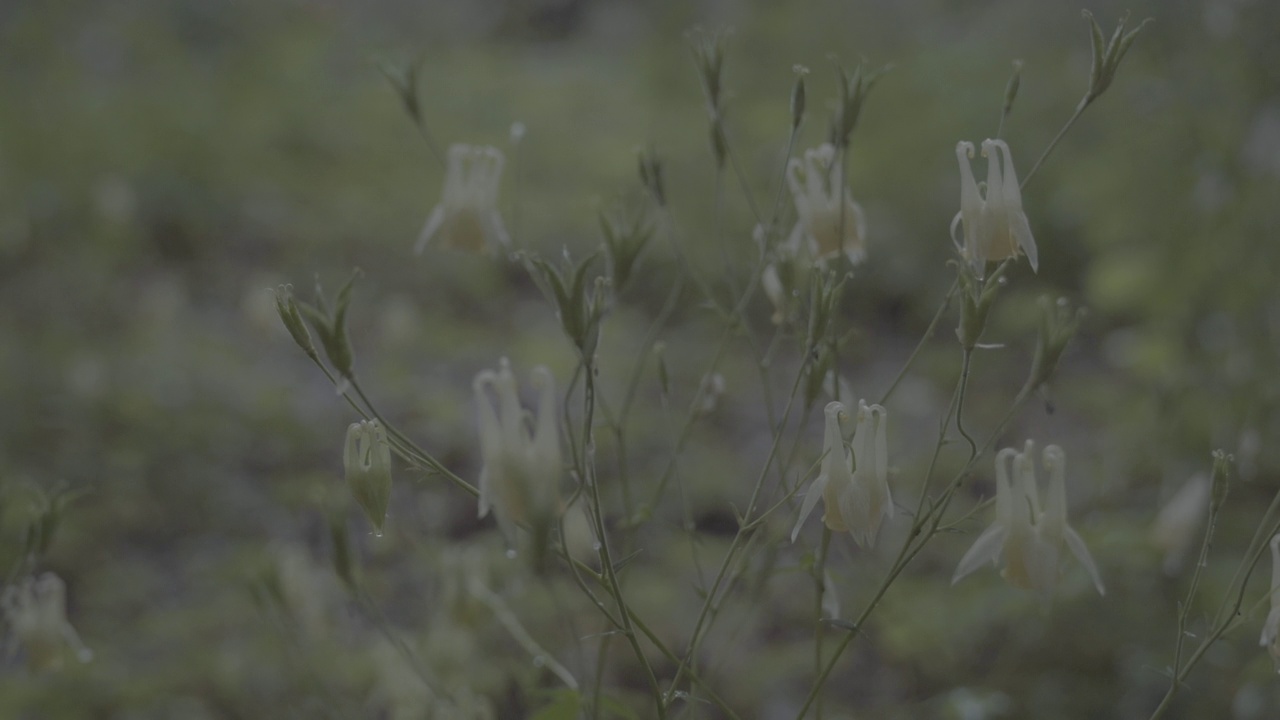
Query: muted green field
x,y
164,165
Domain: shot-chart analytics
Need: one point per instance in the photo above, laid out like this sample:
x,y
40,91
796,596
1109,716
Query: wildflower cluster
x,y
539,472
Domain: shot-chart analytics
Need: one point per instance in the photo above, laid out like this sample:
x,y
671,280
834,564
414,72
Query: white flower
x,y
856,500
37,612
995,227
467,216
1271,630
522,469
1026,540
366,457
830,222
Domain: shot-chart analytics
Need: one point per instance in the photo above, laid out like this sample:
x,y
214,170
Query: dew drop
x,y
511,554
377,533
596,546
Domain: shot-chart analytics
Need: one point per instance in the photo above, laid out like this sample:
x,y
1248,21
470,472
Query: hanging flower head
x,y
830,223
994,225
857,499
520,480
467,216
366,456
36,609
1026,538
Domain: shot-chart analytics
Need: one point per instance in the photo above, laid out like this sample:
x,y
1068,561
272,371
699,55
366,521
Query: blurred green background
x,y
163,164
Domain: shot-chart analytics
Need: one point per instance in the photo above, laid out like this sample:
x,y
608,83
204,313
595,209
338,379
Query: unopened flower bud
x,y
1011,89
367,458
1222,463
651,175
1107,54
292,319
1058,324
798,96
976,299
719,145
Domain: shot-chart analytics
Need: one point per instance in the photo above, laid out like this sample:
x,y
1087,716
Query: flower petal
x,y
1020,229
429,230
1077,546
810,502
986,549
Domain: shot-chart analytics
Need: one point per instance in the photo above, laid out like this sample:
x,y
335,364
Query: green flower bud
x,y
331,328
292,319
651,175
367,459
708,55
1221,482
579,308
1058,324
853,92
976,299
1107,54
626,233
798,96
1011,90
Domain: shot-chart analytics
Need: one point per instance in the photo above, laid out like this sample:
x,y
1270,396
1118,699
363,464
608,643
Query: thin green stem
x,y
1227,614
606,558
928,333
912,546
819,598
964,372
541,657
743,531
1080,108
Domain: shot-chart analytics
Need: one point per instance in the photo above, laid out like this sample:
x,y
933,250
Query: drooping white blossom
x,y
466,217
36,609
1025,540
523,467
829,222
994,225
857,498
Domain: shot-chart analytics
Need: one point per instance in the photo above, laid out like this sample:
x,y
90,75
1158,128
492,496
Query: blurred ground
x,y
163,164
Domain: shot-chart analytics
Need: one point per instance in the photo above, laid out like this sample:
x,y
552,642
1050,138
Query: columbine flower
x,y
856,500
995,227
37,611
1026,540
830,222
367,459
520,479
1271,630
467,216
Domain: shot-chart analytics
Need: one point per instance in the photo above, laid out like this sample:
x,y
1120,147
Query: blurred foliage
x,y
162,165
